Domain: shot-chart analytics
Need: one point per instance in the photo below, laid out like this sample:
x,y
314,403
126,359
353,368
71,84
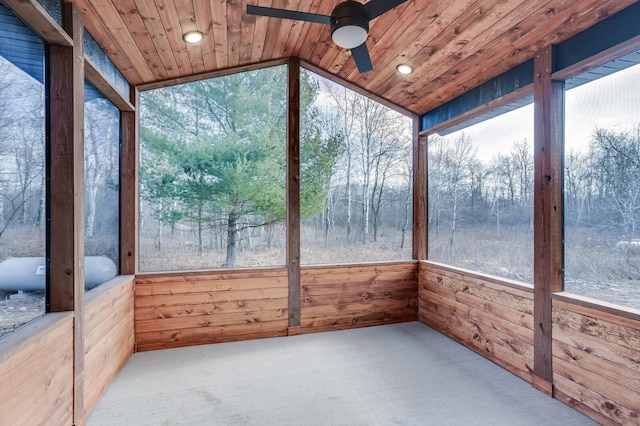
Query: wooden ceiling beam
x,y
31,12
95,76
106,11
104,37
210,74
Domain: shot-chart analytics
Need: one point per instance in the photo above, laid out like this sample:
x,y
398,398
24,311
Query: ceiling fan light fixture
x,y
349,36
192,36
349,24
404,69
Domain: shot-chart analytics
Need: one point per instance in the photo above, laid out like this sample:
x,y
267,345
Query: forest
x,y
212,179
23,184
481,212
212,185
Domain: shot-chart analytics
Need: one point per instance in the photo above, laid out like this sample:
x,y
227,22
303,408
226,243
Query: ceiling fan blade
x,y
376,8
361,56
288,14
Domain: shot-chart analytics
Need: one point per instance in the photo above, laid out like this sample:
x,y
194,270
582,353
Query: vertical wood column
x,y
65,162
548,255
129,188
293,189
419,192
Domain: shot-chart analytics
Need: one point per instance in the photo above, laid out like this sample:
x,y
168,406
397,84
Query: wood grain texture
x,y
596,360
181,309
547,212
109,331
95,76
419,193
36,366
492,319
129,189
341,297
453,46
31,12
293,189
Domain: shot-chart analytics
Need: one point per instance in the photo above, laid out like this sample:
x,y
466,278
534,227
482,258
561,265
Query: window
x,y
480,199
212,173
601,184
355,177
22,173
102,187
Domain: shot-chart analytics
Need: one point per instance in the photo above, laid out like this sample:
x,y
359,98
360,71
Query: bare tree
x,y
461,154
101,154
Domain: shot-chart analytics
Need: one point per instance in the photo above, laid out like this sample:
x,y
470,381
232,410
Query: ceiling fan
x,y
349,23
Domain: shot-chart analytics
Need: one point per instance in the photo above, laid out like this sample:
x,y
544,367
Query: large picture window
x,y
102,187
22,173
602,184
212,173
356,182
480,196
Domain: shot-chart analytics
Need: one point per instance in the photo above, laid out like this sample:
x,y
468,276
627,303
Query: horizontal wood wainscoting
x,y
36,372
491,317
108,336
596,360
340,297
192,308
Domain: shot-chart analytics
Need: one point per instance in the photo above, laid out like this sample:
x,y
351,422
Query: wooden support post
x,y
129,189
419,192
548,255
65,163
293,189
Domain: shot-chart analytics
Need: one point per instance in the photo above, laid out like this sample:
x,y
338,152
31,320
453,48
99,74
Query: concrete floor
x,y
401,374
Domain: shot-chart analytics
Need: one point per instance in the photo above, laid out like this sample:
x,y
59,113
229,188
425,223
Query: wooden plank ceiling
x,y
453,45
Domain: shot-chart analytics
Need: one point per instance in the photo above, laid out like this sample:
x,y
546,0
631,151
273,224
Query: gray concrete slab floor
x,y
399,374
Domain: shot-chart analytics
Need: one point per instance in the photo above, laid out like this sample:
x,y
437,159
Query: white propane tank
x,y
28,273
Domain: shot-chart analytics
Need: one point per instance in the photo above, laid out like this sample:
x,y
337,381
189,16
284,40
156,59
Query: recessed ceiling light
x,y
192,36
404,69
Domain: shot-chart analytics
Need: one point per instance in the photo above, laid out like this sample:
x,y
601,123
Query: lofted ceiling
x,y
454,45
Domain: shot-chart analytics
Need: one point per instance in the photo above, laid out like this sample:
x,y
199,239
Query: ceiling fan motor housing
x,y
349,14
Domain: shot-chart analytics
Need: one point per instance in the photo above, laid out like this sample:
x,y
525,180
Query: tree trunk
x,y
405,224
158,242
454,218
348,195
232,234
365,212
327,222
200,248
91,212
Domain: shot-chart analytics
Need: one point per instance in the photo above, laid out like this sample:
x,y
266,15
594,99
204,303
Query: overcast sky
x,y
612,101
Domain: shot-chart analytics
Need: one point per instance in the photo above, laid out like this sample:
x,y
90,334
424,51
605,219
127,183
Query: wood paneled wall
x,y
108,336
340,297
37,360
191,308
596,362
492,318
36,373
